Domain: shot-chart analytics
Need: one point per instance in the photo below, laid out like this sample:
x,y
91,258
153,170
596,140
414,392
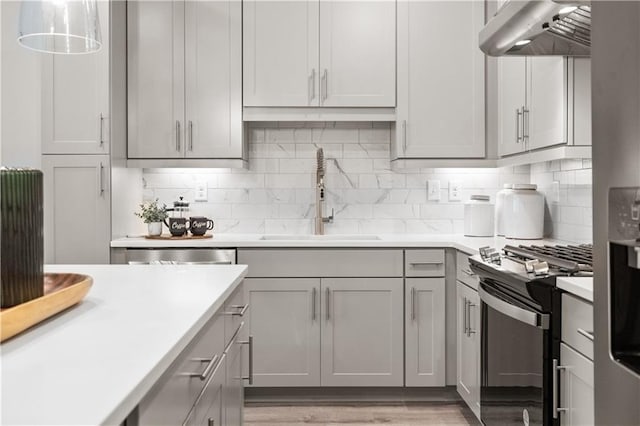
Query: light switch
x,y
433,190
455,190
201,191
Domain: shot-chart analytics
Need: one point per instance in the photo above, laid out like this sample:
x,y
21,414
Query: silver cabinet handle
x,y
556,370
101,140
585,333
313,304
190,135
518,114
404,136
178,135
425,263
240,313
325,77
464,316
328,303
470,305
312,85
413,303
101,179
250,343
212,364
525,125
211,422
203,391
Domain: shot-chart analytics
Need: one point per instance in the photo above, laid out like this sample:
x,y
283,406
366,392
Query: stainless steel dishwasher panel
x,y
193,256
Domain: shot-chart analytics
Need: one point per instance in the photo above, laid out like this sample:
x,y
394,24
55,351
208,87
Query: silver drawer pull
x,y
212,363
211,422
556,369
585,333
241,312
426,263
202,393
250,343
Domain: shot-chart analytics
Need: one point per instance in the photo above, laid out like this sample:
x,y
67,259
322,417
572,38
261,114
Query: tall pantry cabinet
x,y
75,148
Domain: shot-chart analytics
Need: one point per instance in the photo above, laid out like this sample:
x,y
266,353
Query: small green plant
x,y
151,212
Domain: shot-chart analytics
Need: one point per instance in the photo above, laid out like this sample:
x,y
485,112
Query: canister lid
x,y
525,186
480,197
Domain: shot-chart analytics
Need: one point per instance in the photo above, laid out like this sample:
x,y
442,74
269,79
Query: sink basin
x,y
307,237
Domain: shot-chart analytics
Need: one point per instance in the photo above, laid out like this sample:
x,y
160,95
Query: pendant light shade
x,y
60,26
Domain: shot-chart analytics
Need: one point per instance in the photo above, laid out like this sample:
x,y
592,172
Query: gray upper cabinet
x,y
184,80
543,102
319,53
441,81
75,99
76,209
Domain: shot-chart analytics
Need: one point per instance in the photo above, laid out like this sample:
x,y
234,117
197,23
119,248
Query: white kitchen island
x,y
93,363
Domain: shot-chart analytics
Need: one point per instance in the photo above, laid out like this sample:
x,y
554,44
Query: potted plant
x,y
153,215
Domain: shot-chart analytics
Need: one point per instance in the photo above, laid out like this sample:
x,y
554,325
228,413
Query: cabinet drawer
x,y
172,397
463,271
424,263
577,324
318,263
235,312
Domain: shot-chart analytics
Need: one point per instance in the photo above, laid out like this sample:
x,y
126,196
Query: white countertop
x,y
468,245
579,286
93,363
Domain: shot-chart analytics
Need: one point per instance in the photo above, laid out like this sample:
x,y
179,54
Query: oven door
x,y
515,371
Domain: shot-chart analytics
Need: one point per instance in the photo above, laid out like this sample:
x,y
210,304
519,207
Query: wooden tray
x,y
61,291
184,237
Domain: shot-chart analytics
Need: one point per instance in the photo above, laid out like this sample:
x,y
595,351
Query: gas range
x,y
531,271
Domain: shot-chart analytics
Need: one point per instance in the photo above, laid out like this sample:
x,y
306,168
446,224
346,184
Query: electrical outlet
x,y
201,191
433,190
555,192
455,190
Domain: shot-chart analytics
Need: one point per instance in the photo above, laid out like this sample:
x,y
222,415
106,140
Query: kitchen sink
x,y
319,237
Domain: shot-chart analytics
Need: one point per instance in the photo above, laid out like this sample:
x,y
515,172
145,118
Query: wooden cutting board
x,y
61,291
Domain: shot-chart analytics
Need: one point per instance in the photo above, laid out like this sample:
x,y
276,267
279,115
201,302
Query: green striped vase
x,y
22,243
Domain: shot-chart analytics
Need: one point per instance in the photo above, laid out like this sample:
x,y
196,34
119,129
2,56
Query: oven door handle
x,y
516,312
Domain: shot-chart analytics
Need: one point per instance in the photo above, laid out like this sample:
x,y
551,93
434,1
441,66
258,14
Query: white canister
x,y
500,221
478,217
524,213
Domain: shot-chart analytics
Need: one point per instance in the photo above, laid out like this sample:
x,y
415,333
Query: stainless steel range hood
x,y
539,27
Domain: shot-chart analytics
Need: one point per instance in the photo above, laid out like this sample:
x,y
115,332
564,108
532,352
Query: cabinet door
x,y
234,387
76,208
468,346
155,85
441,102
362,332
75,99
213,92
576,388
358,53
546,122
512,85
284,320
425,332
280,53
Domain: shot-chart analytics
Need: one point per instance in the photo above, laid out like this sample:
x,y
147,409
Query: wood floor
x,y
401,414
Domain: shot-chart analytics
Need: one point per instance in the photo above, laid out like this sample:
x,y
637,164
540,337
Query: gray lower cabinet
x,y
425,362
362,332
577,388
468,344
285,322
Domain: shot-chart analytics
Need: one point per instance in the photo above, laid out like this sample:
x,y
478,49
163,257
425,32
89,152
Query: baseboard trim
x,y
340,395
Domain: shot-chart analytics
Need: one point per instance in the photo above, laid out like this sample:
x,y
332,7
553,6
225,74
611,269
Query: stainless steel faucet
x,y
320,219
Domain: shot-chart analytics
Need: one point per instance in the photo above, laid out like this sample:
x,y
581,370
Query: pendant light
x,y
60,26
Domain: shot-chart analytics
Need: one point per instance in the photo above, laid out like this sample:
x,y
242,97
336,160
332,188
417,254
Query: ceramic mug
x,y
178,226
200,225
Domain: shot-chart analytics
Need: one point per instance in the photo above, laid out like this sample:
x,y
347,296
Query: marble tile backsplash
x,y
567,187
277,194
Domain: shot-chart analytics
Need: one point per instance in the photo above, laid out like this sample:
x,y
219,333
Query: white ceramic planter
x,y
154,229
